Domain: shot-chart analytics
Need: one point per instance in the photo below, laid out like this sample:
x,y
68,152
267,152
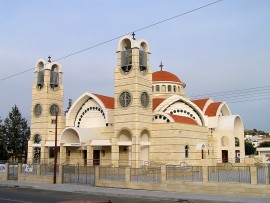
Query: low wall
x,y
3,176
251,188
232,189
29,178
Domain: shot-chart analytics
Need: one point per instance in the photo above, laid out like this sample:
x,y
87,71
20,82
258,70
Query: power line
x,y
231,91
115,38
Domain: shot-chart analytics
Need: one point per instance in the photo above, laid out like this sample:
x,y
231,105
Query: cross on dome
x,y
49,59
161,65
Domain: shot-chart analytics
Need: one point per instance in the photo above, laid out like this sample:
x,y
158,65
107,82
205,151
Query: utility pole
x,y
55,147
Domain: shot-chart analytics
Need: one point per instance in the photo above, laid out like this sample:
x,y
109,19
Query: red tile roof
x,y
212,109
156,102
164,76
107,101
200,102
183,119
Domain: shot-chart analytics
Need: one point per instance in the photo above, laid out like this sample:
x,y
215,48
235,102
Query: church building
x,y
149,119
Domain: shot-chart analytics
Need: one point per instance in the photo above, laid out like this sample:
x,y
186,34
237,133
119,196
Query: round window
x,y
54,109
145,99
37,110
125,99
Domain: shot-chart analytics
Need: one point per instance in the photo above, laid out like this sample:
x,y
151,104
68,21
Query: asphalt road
x,y
28,195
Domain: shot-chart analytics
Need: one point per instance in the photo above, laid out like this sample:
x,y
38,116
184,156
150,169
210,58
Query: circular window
x,y
145,99
38,110
125,99
53,109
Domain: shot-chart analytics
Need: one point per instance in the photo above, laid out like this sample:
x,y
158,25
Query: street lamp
x,y
55,147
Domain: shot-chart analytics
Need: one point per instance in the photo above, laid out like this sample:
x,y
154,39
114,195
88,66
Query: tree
x,y
265,144
16,133
3,151
249,149
69,105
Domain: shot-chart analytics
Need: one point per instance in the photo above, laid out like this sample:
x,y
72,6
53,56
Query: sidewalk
x,y
135,193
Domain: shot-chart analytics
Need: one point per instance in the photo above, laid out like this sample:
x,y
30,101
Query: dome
x,y
165,76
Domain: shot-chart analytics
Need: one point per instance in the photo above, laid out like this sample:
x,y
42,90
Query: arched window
x,y
178,89
237,143
203,148
169,88
174,88
54,77
157,88
186,151
37,150
224,141
163,88
37,139
143,58
126,56
40,75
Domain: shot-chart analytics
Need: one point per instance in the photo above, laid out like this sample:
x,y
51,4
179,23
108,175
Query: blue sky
x,y
223,47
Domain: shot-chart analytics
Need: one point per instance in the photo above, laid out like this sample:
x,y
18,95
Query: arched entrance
x,y
144,143
81,146
125,143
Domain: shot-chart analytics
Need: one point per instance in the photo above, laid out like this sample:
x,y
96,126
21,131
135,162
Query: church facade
x,y
149,119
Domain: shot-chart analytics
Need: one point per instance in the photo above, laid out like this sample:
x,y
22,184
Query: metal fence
x,y
79,174
263,174
145,174
48,169
13,172
184,173
229,173
112,173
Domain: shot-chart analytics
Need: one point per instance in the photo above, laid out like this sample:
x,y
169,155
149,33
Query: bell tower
x,y
47,100
133,101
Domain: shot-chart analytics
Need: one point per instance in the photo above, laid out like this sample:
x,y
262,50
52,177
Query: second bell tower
x,y
133,102
47,100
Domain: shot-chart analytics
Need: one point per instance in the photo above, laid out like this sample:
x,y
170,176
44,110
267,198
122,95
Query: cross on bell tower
x,y
133,36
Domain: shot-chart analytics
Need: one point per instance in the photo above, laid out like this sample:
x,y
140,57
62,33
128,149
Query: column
x,y
205,173
7,171
30,152
60,176
115,152
253,175
163,173
90,155
63,154
19,168
135,152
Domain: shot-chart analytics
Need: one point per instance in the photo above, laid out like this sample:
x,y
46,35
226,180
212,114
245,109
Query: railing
x,y
229,173
112,173
79,174
13,171
263,174
48,169
145,174
184,173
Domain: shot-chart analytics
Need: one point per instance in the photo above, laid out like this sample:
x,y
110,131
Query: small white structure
x,y
264,152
